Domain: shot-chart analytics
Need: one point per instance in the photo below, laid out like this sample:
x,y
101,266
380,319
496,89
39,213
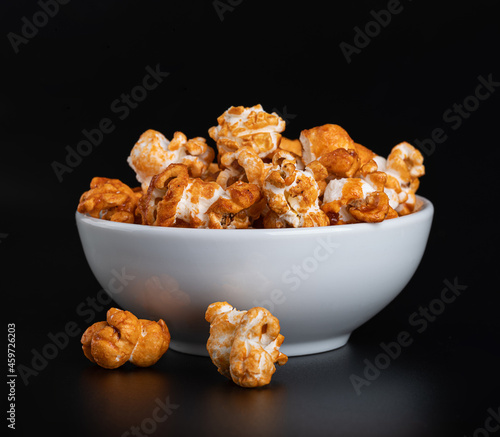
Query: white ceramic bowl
x,y
321,283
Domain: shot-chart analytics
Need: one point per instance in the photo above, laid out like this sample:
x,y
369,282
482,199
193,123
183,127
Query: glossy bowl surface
x,y
321,283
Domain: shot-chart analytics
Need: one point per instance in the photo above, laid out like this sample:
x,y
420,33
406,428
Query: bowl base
x,y
314,347
292,350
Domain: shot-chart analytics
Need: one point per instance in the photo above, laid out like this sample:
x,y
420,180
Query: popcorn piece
x,y
403,167
323,139
340,163
405,163
292,195
364,153
87,337
242,164
109,199
294,146
176,200
153,153
194,153
212,172
239,127
224,320
255,349
380,180
149,155
244,345
231,210
157,209
195,202
152,344
229,176
351,200
124,338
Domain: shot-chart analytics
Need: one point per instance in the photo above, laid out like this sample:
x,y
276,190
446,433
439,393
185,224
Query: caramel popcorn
x,y
292,194
223,319
260,178
323,139
174,199
123,337
109,199
153,153
340,163
243,164
351,200
239,127
405,166
244,345
233,208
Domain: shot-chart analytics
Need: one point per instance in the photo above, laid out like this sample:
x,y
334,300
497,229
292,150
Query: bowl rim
x,y
425,211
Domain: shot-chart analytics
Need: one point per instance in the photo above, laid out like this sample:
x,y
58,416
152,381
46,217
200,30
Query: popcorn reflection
x,y
117,400
258,408
163,292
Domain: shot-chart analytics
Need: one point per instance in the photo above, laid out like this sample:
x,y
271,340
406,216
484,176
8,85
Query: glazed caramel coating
x,y
243,164
124,338
174,199
407,161
292,195
324,139
156,207
231,211
87,338
364,153
377,179
153,153
198,154
405,165
253,127
152,344
112,345
244,345
149,156
340,163
224,320
289,145
109,199
255,349
372,207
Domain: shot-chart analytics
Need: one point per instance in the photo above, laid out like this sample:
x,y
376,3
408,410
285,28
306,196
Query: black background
x,y
402,85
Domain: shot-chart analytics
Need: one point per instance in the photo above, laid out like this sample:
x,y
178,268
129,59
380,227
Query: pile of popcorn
x,y
260,179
